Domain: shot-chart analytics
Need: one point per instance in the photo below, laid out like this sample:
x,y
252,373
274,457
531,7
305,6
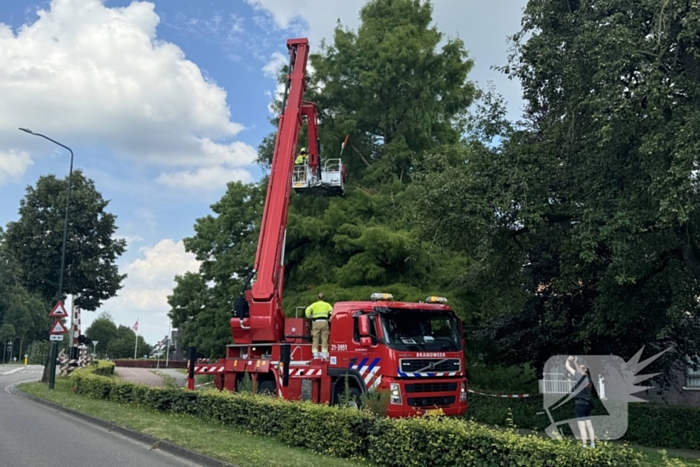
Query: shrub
x,y
345,432
652,425
505,379
438,441
102,367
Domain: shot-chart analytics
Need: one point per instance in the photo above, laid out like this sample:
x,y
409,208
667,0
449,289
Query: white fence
x,y
559,383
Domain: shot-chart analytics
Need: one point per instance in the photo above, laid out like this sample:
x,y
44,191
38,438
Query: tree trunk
x,y
47,360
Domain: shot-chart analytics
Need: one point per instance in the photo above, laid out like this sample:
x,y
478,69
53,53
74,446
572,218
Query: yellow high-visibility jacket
x,y
319,310
301,159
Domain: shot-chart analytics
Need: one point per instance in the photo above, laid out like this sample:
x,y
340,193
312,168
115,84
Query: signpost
x,y
56,335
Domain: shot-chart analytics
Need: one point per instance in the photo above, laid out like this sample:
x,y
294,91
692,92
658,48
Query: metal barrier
x,y
332,165
299,177
559,383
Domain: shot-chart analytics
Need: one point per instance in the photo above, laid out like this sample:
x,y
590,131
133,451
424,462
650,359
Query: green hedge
x,y
652,425
350,433
102,367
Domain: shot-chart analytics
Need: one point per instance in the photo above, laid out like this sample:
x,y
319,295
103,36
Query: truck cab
x,y
413,350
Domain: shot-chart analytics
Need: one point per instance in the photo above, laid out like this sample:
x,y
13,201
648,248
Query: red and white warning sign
x,y
58,328
59,311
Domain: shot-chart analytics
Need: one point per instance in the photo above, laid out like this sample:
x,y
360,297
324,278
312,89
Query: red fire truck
x,y
412,350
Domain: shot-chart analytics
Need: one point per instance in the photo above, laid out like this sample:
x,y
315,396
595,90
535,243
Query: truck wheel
x,y
267,388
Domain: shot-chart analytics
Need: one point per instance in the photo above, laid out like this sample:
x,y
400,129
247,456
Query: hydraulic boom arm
x,y
259,316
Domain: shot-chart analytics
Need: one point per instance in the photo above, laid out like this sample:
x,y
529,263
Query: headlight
x,y
395,390
463,393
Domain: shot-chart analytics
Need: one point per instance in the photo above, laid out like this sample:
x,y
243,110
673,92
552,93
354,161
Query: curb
x,y
154,442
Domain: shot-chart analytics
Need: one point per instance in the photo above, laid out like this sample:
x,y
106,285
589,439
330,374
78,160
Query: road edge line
x,y
162,445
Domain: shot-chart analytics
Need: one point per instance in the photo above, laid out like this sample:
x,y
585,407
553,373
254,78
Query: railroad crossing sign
x,y
58,328
59,311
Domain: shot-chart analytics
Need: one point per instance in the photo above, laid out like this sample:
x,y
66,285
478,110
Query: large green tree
x,y
35,240
22,310
391,87
398,93
103,330
586,216
124,342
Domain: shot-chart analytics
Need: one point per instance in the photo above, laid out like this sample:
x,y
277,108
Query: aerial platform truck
x,y
412,350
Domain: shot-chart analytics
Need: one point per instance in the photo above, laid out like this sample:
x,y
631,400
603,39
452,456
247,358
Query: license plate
x,y
434,412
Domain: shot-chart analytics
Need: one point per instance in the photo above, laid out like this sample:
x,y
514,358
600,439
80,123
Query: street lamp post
x,y
54,344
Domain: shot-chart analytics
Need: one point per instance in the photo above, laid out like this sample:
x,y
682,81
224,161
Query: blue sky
x,y
163,102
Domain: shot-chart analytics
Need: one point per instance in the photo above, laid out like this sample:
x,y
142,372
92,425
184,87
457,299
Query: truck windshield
x,y
410,330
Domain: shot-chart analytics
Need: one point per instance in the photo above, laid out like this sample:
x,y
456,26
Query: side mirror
x,y
366,341
364,326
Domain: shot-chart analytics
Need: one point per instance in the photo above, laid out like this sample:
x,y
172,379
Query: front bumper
x,y
427,396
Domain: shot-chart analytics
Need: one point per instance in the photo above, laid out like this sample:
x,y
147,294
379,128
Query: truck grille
x,y
430,387
423,365
430,401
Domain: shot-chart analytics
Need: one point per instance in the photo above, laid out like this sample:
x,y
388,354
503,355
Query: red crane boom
x,y
258,316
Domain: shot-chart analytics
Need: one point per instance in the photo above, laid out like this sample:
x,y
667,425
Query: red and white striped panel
x,y
209,369
506,396
76,326
305,372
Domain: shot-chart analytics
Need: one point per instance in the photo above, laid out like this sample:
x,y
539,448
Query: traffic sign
x,y
58,328
59,311
56,337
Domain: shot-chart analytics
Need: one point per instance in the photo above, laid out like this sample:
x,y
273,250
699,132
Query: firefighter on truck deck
x,y
320,313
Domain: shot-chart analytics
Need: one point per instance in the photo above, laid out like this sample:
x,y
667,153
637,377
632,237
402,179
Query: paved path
x,y
32,435
139,375
180,378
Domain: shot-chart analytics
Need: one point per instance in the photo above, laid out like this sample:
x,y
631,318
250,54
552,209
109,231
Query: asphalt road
x,y
33,435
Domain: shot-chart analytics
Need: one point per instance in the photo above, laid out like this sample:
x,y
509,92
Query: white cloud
x,y
161,263
13,164
273,67
130,238
271,70
226,167
151,278
101,76
483,26
207,178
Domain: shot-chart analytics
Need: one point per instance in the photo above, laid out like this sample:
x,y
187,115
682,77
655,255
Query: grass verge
x,y
222,442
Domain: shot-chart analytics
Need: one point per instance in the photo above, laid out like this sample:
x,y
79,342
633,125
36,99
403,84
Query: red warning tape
x,y
507,396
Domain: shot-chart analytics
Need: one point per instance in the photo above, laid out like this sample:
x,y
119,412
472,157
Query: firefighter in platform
x,y
300,166
320,314
302,158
